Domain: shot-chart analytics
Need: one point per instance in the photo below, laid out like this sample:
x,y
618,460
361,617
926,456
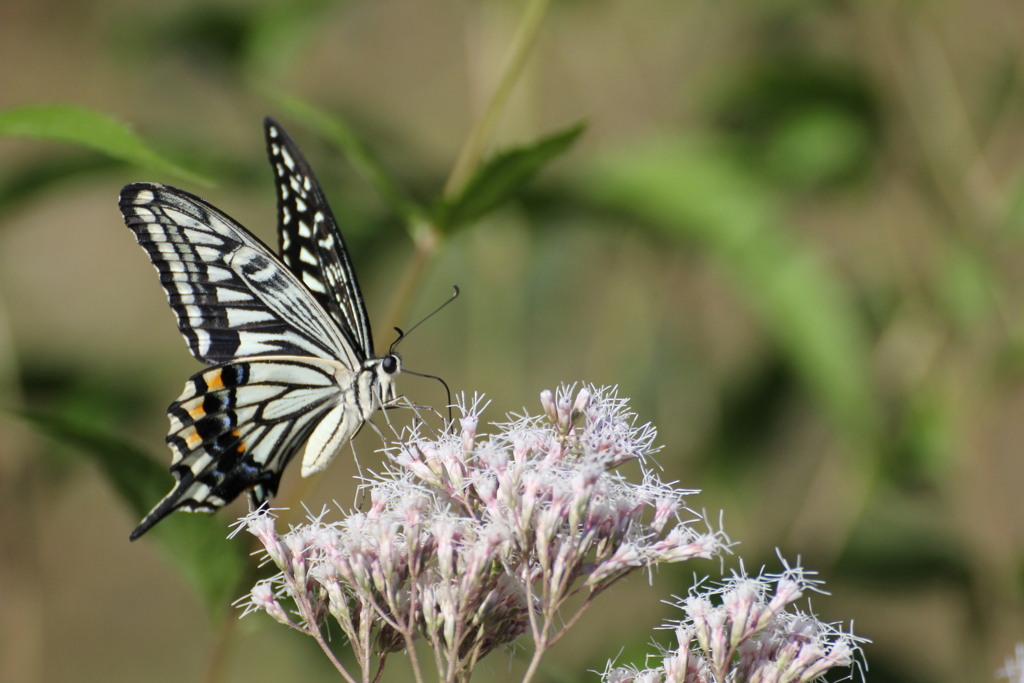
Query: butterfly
x,y
288,337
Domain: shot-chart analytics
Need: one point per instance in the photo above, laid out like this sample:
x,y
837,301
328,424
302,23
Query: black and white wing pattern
x,y
291,364
232,296
237,425
309,240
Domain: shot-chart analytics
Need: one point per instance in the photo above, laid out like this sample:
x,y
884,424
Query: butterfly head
x,y
388,368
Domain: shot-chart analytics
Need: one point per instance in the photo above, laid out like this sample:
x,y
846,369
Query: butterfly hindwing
x,y
309,240
237,425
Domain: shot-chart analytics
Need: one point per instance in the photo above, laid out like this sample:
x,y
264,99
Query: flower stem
x,y
319,637
218,653
414,660
380,667
473,149
531,670
572,621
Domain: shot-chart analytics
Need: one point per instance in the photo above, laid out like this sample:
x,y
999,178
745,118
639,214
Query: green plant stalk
x,y
426,240
481,134
10,384
426,237
215,670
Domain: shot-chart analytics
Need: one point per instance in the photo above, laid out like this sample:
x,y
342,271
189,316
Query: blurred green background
x,y
792,233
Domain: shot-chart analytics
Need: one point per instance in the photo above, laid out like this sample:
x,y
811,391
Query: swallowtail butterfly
x,y
287,337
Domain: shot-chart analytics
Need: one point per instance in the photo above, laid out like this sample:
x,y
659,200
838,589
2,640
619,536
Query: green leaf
x,y
695,193
359,155
197,545
500,178
80,126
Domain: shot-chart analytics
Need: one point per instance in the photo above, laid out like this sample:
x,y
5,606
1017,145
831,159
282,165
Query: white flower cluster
x,y
472,540
742,631
1014,670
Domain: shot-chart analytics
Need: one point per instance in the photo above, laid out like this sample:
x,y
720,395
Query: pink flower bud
x,y
581,404
564,413
718,639
547,401
261,526
262,595
786,592
468,432
742,604
664,510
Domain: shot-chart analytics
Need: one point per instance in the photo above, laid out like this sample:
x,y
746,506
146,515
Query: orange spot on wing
x,y
213,380
192,439
197,412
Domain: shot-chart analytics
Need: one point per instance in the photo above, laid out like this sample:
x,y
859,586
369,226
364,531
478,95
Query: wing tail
x,y
166,506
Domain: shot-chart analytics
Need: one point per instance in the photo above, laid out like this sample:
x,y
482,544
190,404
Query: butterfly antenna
x,y
402,335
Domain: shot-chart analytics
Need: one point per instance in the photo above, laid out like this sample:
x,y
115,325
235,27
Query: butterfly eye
x,y
390,364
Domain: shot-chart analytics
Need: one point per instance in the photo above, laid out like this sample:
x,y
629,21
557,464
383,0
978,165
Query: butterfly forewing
x,y
310,242
232,297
